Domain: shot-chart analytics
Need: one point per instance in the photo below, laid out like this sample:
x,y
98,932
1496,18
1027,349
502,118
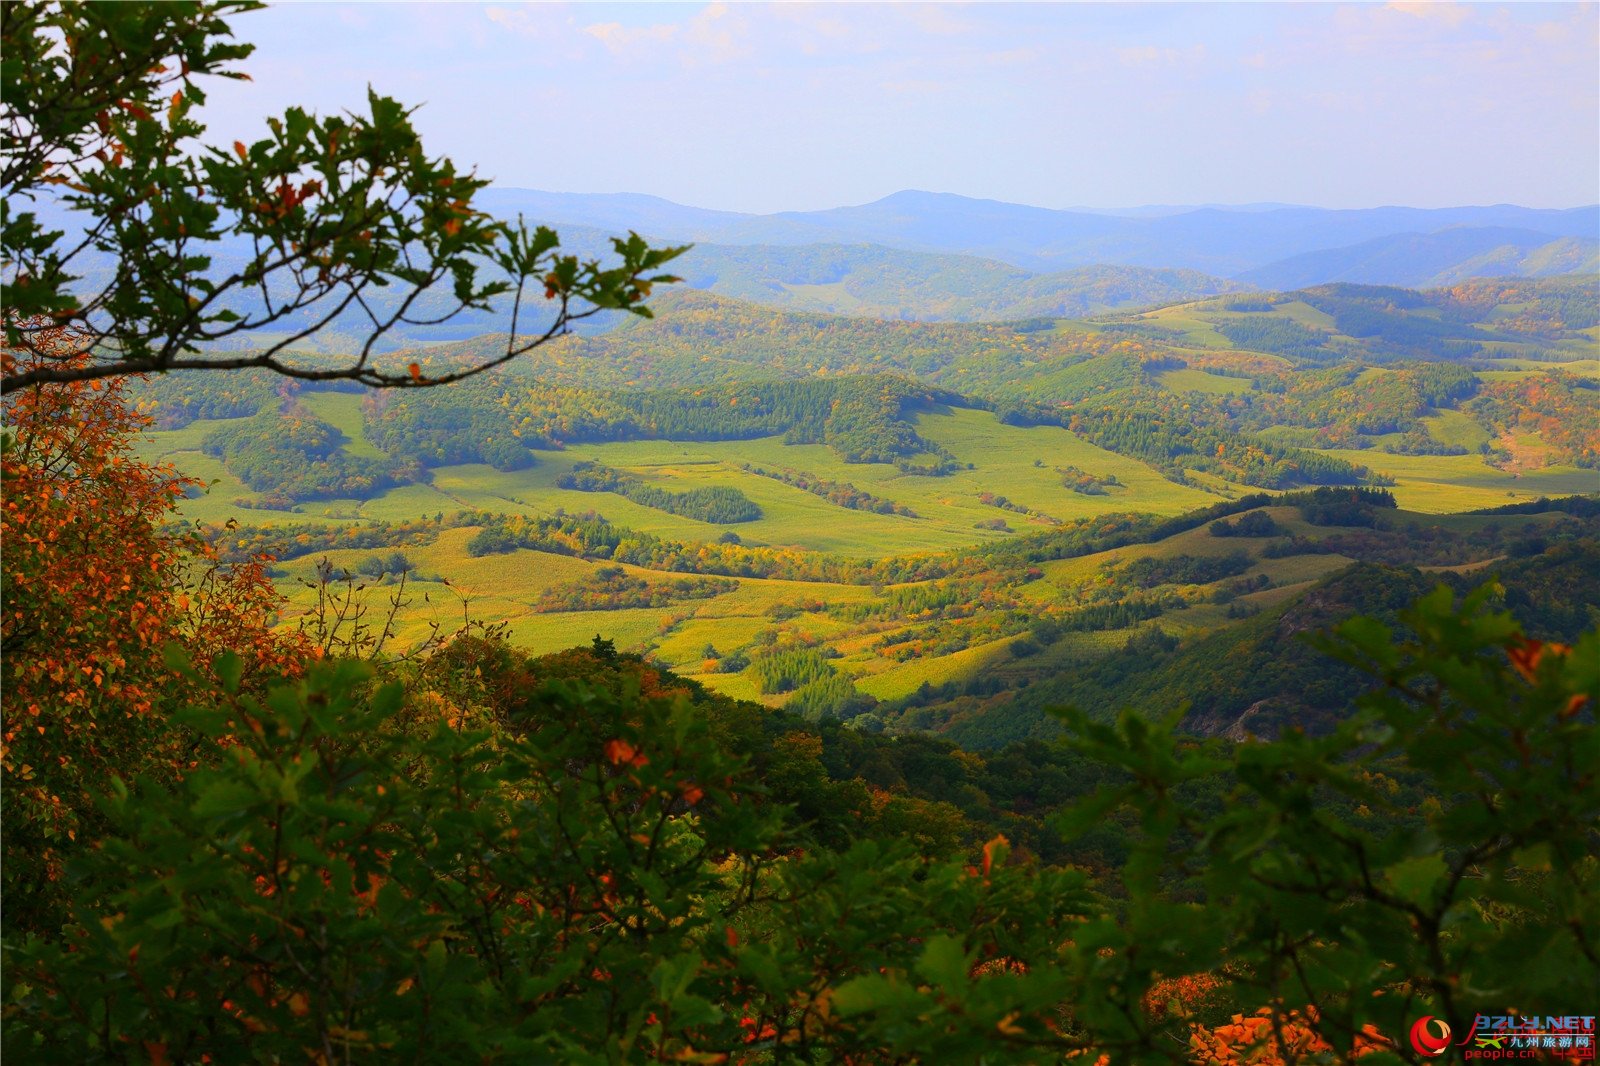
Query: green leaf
x,y
229,668
873,992
1416,880
944,962
226,798
177,659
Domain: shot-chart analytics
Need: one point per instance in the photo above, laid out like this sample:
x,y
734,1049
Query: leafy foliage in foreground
x,y
484,867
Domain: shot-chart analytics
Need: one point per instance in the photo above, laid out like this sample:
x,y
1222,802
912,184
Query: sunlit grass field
x,y
691,636
1440,484
1017,462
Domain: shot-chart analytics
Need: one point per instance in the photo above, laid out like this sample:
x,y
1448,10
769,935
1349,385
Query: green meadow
x,y
1441,484
1020,463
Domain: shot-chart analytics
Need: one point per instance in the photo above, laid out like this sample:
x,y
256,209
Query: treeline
x,y
290,455
863,419
1578,506
179,397
1154,570
1254,524
466,423
839,493
720,504
1085,483
234,543
611,588
590,536
938,599
1097,617
1169,432
787,669
1279,335
1345,404
990,499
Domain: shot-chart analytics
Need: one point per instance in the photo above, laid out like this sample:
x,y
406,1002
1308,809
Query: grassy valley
x,y
926,526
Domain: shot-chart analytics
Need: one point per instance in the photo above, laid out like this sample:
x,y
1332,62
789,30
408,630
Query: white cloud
x,y
1445,11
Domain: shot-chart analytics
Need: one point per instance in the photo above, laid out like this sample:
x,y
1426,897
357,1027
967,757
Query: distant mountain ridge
x,y
1429,260
1226,242
941,257
878,282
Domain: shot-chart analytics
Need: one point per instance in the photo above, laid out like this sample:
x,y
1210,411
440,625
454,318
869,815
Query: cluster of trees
x,y
1538,307
839,493
1329,506
444,427
1175,432
1253,524
1280,335
788,669
1563,410
290,455
990,499
720,504
863,418
174,400
1122,614
933,599
833,696
1418,441
611,588
235,543
1154,570
1085,483
1397,322
1347,403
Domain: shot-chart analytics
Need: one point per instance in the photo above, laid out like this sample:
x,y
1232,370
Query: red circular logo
x,y
1430,1036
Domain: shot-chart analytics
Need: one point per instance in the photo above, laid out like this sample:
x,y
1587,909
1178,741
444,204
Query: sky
x,y
772,107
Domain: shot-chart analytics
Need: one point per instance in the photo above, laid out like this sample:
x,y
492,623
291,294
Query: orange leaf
x,y
416,372
989,849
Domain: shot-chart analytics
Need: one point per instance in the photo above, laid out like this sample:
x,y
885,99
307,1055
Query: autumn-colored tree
x,y
94,587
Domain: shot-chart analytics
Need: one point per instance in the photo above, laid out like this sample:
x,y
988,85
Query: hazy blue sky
x,y
772,107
